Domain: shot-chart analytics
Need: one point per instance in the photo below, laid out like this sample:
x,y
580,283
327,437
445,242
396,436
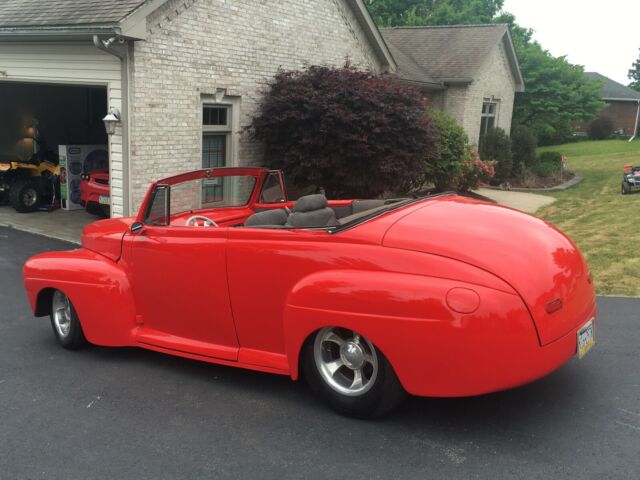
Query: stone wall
x,y
209,50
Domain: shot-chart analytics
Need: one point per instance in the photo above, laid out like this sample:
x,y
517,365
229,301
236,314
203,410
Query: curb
x,y
564,186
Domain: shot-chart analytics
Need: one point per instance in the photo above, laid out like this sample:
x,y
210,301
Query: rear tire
x,y
350,373
625,189
25,195
65,322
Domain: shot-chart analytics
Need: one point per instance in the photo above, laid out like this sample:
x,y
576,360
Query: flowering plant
x,y
473,170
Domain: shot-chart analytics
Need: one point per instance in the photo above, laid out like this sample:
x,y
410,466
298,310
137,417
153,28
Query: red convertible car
x,y
440,296
95,193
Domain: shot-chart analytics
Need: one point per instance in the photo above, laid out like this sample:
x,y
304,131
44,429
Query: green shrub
x,y
523,149
473,171
496,145
600,129
451,143
548,164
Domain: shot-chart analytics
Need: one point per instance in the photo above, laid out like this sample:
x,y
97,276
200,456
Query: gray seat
x,y
312,211
267,218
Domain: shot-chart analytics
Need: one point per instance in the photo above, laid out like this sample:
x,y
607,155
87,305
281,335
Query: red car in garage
x,y
95,193
440,296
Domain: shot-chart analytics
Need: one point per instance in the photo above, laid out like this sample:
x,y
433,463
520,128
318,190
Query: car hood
x,y
105,236
534,257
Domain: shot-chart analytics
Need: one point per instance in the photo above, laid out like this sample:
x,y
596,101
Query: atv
x,y
630,179
28,179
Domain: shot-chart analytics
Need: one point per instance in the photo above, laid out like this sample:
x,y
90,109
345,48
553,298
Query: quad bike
x,y
28,180
630,179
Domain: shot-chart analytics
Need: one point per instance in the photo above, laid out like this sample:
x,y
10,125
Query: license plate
x,y
104,200
586,338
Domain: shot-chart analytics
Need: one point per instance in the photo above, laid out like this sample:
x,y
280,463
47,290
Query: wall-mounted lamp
x,y
111,121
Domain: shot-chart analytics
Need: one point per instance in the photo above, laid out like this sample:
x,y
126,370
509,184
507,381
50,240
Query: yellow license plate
x,y
104,200
586,338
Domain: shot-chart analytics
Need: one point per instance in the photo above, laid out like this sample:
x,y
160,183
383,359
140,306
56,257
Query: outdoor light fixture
x,y
111,121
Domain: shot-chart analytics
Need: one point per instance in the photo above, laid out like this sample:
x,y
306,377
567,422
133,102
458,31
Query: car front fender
x,y
98,288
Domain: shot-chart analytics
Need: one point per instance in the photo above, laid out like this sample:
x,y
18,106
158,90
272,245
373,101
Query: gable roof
x,y
449,54
32,13
612,90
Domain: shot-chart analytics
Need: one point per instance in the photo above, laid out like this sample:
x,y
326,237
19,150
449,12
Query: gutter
x,y
69,31
635,129
106,46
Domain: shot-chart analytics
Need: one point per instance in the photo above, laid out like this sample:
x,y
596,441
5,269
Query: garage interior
x,y
67,115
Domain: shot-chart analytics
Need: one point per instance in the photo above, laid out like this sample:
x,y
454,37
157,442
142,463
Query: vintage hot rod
x,y
441,296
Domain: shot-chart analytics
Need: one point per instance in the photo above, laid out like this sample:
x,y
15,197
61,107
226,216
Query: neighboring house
x,y
469,71
185,75
623,105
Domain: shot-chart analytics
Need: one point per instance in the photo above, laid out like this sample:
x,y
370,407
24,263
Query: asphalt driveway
x,y
132,414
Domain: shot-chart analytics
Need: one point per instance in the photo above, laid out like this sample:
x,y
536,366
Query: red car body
x,y
95,193
462,296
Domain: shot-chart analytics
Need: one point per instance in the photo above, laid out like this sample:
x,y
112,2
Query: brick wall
x,y
196,48
622,115
494,80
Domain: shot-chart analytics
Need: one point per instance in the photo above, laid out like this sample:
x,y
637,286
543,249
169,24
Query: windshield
x,y
215,192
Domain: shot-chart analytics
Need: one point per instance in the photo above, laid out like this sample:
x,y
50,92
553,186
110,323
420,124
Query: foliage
x,y
473,170
634,75
523,148
391,13
451,146
548,164
600,129
496,145
350,132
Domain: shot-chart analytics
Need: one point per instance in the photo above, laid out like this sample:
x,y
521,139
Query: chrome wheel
x,y
29,197
61,310
347,361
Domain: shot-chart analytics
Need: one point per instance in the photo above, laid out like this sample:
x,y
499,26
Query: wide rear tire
x,y
350,373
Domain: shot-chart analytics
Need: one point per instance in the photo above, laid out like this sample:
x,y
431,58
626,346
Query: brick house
x,y
623,105
469,71
184,75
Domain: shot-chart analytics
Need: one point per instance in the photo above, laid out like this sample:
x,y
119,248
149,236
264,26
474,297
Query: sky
x,y
604,37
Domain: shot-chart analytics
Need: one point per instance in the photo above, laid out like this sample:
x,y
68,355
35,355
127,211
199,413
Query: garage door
x,y
72,63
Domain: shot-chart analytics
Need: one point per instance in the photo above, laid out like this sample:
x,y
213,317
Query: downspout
x,y
635,129
105,46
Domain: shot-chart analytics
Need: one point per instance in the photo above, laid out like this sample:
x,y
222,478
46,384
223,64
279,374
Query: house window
x,y
216,142
489,114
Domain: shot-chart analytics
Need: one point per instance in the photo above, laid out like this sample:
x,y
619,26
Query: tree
x,y
634,75
353,133
392,13
451,143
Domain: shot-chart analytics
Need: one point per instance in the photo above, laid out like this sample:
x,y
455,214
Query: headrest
x,y
267,217
310,203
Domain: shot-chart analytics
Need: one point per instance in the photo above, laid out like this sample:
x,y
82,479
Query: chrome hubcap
x,y
29,197
61,308
347,361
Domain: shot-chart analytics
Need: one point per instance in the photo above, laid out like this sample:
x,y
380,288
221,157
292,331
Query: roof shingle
x,y
58,13
443,52
612,90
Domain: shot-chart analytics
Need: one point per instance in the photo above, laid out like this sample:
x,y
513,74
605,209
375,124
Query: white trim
x,y
232,129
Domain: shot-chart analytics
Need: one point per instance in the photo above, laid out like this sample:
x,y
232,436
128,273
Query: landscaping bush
x,y
600,129
353,133
473,170
523,149
451,144
548,164
496,145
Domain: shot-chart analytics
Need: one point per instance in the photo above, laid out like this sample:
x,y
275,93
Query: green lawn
x,y
601,221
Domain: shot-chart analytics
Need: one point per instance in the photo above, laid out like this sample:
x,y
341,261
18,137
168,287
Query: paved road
x,y
132,414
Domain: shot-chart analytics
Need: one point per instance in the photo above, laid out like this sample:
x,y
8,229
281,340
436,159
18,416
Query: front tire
x,y
350,373
25,196
65,322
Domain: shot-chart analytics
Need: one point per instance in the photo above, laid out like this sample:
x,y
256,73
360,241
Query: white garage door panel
x,y
70,63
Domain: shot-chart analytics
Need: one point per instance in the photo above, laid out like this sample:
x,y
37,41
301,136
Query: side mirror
x,y
137,227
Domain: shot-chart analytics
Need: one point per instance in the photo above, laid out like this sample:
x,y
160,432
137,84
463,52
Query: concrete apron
x,y
59,224
526,202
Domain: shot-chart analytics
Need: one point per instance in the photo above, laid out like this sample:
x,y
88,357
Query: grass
x,y
600,220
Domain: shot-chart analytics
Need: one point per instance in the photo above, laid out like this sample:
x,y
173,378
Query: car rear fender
x,y
98,288
407,317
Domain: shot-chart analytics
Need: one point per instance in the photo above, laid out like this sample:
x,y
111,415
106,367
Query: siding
x,y
71,63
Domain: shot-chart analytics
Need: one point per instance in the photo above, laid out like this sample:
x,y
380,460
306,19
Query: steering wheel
x,y
194,221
